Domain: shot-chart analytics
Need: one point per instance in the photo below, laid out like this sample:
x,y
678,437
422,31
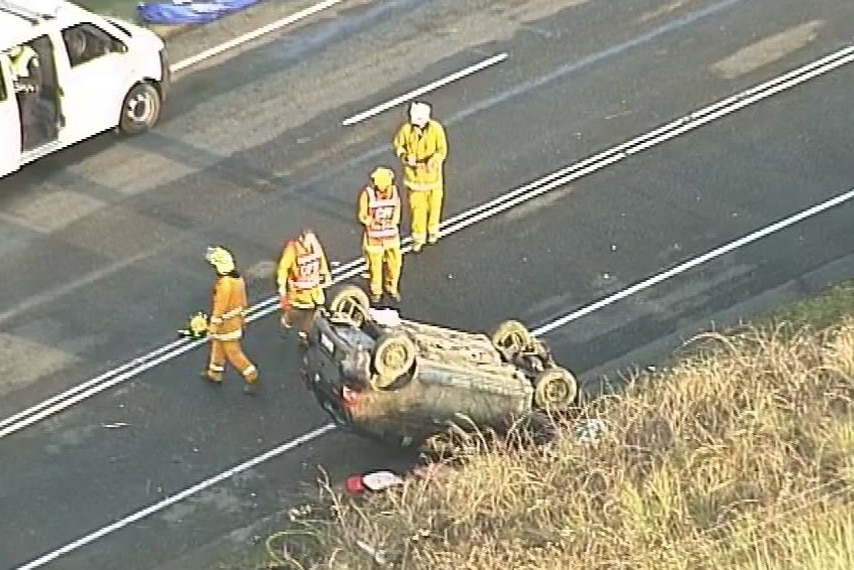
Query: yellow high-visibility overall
x,y
423,153
379,213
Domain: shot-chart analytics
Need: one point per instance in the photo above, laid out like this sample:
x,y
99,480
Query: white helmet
x,y
419,114
220,258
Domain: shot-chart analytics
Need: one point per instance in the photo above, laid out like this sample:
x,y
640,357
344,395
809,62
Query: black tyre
x,y
555,389
140,109
511,338
352,302
394,356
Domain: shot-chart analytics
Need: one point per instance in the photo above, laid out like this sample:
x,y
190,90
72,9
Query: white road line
x,y
254,34
537,332
460,221
694,262
169,501
488,62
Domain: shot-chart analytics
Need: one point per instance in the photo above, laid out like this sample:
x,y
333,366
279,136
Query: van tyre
x,y
555,389
394,356
140,109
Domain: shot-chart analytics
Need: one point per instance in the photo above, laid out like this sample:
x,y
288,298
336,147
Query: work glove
x,y
198,327
411,160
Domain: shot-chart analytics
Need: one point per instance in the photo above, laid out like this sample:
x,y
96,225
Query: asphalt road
x,y
102,258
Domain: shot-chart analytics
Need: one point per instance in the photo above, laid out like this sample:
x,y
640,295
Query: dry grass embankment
x,y
738,457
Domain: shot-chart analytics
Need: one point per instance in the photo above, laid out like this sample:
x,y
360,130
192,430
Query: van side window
x,y
86,42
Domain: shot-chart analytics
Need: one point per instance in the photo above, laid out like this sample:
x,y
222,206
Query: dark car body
x,y
403,381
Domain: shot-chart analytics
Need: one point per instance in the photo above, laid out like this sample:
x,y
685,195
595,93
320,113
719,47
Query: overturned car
x,y
403,382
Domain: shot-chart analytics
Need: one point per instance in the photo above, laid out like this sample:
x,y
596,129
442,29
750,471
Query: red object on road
x,y
374,481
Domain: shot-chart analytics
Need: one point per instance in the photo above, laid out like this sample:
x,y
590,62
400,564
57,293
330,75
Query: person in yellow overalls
x,y
379,213
226,323
302,276
27,78
422,146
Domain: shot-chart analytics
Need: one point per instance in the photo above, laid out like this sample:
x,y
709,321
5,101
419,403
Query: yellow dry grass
x,y
738,457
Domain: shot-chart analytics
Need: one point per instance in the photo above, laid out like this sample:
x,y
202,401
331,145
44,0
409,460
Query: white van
x,y
98,74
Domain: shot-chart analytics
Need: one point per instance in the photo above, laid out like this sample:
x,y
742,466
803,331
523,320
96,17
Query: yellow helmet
x,y
382,177
220,258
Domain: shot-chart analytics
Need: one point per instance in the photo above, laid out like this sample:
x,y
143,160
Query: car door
x,y
10,121
96,79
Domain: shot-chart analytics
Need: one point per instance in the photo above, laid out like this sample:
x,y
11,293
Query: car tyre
x,y
510,338
555,389
140,109
394,356
352,302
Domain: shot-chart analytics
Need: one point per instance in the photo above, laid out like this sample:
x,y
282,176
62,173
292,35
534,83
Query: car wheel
x,y
555,389
140,109
394,356
352,302
510,338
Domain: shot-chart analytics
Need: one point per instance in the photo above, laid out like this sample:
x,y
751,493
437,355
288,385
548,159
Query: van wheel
x,y
555,389
394,356
140,109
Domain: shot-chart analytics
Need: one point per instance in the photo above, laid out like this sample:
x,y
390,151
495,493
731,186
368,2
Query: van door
x,y
95,81
10,121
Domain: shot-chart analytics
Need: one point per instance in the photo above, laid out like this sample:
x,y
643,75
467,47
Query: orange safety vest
x,y
306,273
381,210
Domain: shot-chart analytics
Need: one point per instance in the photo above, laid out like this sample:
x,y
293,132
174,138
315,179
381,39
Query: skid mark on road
x,y
535,206
23,362
116,233
52,210
71,438
533,10
221,499
232,499
768,50
126,176
664,10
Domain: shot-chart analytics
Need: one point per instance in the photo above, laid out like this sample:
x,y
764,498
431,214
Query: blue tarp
x,y
180,12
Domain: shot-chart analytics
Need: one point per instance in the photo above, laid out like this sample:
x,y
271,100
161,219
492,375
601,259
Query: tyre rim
x,y
556,391
351,308
512,341
394,357
141,108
